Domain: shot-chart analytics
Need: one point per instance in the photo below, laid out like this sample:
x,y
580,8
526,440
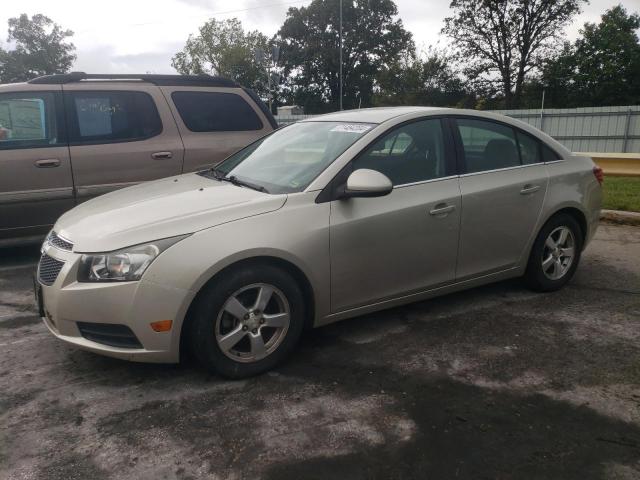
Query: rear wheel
x,y
555,254
247,321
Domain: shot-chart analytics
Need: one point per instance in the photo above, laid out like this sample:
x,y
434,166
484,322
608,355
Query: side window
x,y
112,116
28,120
529,149
487,145
215,112
412,153
549,155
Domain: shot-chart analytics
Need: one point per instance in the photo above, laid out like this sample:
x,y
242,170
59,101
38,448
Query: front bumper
x,y
66,303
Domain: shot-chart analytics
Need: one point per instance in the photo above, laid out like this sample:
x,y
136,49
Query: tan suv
x,y
67,138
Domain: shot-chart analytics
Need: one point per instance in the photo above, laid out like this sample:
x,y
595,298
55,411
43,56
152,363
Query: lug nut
x,y
245,328
255,330
262,320
246,316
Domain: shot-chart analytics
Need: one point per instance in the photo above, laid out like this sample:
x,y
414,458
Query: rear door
x,y
503,188
214,122
36,185
119,135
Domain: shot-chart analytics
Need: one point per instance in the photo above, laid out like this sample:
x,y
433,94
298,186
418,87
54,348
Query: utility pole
x,y
340,36
542,109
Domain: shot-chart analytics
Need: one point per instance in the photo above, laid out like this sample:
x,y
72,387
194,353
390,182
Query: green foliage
x,y
41,48
428,81
373,41
621,193
501,42
600,68
224,48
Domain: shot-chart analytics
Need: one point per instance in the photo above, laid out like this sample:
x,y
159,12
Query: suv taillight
x,y
598,173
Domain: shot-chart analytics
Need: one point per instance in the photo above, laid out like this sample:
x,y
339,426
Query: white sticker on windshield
x,y
351,128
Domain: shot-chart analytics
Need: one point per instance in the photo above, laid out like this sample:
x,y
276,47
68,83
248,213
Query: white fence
x,y
593,129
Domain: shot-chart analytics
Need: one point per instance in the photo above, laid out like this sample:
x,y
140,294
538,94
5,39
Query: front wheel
x,y
555,254
247,321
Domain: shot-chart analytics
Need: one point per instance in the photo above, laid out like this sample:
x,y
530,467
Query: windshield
x,y
290,158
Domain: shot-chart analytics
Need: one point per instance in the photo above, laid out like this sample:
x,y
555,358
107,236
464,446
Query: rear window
x,y
215,112
112,116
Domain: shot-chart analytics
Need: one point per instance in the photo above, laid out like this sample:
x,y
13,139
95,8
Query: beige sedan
x,y
325,219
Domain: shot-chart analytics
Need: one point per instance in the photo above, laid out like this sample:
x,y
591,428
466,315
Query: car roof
x,y
371,115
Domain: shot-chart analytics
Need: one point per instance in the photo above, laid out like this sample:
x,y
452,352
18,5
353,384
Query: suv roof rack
x,y
160,80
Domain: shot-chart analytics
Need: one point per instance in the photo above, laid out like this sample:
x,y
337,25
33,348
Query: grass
x,y
622,193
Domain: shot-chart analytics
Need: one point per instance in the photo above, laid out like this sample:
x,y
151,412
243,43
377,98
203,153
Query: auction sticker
x,y
351,128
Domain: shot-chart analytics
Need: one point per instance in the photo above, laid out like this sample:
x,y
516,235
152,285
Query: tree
x,y
373,40
224,48
41,48
504,40
602,67
430,80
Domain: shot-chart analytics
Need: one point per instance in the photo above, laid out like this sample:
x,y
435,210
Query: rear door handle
x,y
528,189
161,155
442,209
47,163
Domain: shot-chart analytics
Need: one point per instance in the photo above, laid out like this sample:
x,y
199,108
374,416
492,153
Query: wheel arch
x,y
251,261
577,214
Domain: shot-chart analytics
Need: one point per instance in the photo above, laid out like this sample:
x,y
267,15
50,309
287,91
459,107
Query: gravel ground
x,y
496,382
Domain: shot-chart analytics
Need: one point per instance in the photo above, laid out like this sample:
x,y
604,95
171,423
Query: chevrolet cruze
x,y
325,219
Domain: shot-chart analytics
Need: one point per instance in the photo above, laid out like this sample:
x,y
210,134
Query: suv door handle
x,y
442,209
47,163
161,155
528,189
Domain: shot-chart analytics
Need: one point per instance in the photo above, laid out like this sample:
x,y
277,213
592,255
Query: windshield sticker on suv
x,y
351,128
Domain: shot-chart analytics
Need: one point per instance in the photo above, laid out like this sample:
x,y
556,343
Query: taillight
x,y
599,174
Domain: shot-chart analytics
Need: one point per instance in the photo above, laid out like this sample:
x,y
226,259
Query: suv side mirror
x,y
367,183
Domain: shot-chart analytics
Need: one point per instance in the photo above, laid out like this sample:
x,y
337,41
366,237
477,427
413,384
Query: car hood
x,y
160,209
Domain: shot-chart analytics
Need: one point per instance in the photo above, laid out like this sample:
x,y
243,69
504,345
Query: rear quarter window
x,y
215,112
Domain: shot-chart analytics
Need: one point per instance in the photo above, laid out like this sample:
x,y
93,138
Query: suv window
x,y
112,116
215,112
28,120
487,145
412,153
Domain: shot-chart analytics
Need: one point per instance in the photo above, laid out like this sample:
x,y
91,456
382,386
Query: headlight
x,y
124,265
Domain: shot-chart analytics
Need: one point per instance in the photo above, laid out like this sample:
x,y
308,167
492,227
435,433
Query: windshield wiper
x,y
241,183
236,181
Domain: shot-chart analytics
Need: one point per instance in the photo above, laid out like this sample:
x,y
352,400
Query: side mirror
x,y
367,183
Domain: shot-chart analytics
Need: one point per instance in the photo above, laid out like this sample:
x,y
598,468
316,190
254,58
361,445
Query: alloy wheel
x,y
558,253
252,323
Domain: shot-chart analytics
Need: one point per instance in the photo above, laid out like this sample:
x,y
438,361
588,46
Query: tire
x,y
235,333
550,269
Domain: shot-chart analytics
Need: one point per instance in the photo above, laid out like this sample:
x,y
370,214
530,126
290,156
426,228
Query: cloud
x,y
103,59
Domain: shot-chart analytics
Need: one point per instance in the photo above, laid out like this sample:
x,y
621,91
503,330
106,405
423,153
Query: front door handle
x,y
529,189
442,209
161,155
47,163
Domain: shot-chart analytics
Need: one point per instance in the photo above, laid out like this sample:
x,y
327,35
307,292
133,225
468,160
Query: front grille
x,y
48,269
59,242
110,334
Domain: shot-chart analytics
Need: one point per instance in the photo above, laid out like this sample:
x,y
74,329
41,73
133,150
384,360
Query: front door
x,y
119,136
36,185
405,242
502,194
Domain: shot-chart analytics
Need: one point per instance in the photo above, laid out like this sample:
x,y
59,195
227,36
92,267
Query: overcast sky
x,y
138,36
